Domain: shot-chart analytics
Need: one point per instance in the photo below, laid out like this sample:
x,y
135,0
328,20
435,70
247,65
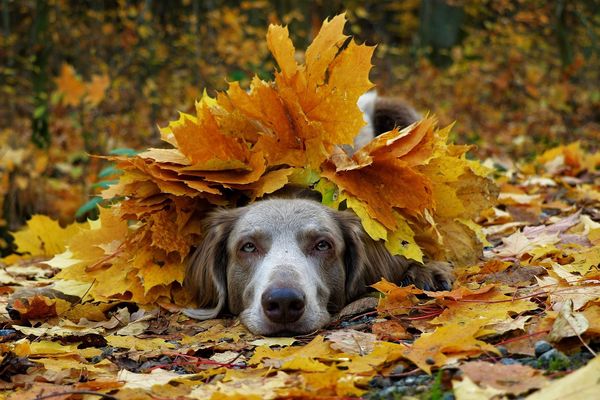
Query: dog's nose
x,y
283,304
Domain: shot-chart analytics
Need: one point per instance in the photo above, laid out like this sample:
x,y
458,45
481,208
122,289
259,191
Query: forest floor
x,y
524,321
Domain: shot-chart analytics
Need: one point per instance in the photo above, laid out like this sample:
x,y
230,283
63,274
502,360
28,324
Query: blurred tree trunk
x,y
439,29
10,60
40,43
562,33
197,76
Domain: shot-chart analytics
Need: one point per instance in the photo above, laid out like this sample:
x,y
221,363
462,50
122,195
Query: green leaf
x,y
104,184
123,151
109,170
40,111
89,206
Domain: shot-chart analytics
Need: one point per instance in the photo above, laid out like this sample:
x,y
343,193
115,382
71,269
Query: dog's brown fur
x,y
392,112
383,114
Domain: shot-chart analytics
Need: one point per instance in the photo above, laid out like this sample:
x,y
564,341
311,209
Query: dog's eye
x,y
248,248
323,245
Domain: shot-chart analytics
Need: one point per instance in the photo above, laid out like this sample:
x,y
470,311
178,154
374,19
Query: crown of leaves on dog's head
x,y
246,144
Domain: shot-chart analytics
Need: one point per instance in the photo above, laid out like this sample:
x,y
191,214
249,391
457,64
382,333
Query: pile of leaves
x,y
99,329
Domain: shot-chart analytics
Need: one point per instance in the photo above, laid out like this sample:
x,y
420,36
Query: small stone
x,y
529,361
411,380
380,382
503,351
541,347
430,361
554,360
448,396
389,391
398,369
509,361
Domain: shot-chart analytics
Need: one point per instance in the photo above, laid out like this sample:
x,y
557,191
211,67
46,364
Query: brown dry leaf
x,y
390,330
219,331
40,307
509,379
360,306
518,243
39,389
568,323
352,342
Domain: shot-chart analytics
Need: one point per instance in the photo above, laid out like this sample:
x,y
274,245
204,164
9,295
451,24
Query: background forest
x,y
88,77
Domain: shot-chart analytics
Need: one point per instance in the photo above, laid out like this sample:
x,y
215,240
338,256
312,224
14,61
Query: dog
x,y
285,266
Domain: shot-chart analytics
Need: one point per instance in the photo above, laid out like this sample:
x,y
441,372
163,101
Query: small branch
x,y
58,394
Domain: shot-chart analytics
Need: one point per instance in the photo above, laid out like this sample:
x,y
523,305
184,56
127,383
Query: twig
x,y
403,374
522,337
88,392
580,339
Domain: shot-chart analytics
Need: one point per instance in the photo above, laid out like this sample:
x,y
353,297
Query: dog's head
x,y
282,265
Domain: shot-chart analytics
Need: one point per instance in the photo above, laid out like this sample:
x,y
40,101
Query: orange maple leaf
x,y
96,89
70,85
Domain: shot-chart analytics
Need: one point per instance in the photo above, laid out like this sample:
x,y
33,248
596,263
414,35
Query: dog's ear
x,y
366,260
355,257
206,273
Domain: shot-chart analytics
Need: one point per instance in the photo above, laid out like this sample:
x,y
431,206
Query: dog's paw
x,y
431,276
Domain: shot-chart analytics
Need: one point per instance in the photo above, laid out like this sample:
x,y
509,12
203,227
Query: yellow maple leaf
x,y
481,308
454,340
317,348
128,342
43,236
